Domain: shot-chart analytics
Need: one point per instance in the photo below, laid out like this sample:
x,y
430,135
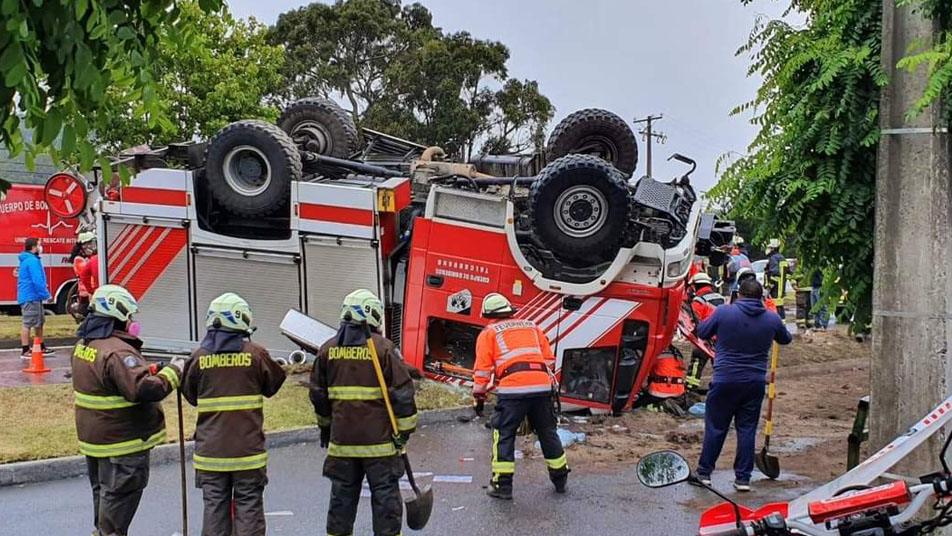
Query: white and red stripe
x,y
139,255
160,193
337,210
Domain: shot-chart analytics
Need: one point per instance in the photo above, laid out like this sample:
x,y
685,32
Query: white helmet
x,y
113,301
495,304
701,278
744,272
229,311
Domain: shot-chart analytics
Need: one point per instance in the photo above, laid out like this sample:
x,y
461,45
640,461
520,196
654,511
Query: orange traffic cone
x,y
36,360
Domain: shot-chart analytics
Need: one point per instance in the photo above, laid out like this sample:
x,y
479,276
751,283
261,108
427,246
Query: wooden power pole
x,y
912,289
650,135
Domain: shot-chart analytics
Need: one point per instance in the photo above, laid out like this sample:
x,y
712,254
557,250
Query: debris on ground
x,y
819,385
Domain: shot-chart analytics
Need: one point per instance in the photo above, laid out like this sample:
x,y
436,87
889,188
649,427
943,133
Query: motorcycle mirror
x,y
663,468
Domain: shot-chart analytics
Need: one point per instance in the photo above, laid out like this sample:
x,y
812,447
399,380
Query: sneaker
x,y
26,353
697,480
742,486
47,351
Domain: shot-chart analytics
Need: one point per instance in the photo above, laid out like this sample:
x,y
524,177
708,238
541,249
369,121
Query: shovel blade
x,y
767,464
419,508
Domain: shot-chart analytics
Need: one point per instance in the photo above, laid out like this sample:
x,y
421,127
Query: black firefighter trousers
x,y
243,488
347,476
507,416
117,484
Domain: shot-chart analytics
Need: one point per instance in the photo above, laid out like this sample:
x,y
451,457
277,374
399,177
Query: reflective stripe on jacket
x,y
116,397
229,389
501,345
346,396
705,301
667,376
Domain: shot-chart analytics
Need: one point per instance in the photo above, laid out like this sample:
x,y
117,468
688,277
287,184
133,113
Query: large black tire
x,y
579,208
249,166
596,132
320,126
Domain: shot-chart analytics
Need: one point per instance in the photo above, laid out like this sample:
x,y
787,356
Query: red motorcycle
x,y
846,506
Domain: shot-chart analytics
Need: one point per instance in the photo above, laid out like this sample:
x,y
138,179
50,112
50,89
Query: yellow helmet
x,y
362,306
496,304
113,301
229,311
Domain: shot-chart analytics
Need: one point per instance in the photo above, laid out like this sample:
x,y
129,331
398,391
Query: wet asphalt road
x,y
599,501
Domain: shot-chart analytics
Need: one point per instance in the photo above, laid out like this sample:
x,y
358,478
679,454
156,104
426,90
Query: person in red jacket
x,y
514,356
703,304
85,249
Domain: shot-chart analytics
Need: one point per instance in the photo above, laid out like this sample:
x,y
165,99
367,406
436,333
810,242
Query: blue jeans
x,y
820,318
726,402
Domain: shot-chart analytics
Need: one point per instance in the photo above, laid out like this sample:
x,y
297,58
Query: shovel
x,y
766,463
420,506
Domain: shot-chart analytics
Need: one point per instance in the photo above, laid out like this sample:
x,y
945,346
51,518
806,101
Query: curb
x,y
36,471
13,344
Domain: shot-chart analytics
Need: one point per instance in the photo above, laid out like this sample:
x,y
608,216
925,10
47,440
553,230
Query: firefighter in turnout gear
x,y
705,300
748,273
515,356
227,378
355,426
118,416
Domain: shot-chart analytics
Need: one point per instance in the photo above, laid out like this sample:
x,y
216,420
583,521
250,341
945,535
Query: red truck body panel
x,y
24,214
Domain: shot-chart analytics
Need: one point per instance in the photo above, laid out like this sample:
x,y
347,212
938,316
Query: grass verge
x,y
56,326
38,422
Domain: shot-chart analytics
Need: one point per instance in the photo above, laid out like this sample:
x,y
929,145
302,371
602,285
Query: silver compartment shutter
x,y
270,284
164,308
333,269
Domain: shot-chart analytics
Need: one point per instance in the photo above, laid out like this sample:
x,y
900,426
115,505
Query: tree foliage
x,y
224,77
59,58
811,169
938,57
400,74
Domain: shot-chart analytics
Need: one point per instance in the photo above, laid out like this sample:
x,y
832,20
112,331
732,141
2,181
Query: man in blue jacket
x,y
31,293
745,330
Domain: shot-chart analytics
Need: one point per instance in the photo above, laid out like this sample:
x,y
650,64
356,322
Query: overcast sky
x,y
633,57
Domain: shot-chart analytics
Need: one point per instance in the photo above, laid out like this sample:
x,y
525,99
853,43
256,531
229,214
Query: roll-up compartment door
x,y
152,262
269,282
333,268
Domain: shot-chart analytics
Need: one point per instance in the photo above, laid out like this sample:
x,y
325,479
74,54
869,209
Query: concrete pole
x,y
912,288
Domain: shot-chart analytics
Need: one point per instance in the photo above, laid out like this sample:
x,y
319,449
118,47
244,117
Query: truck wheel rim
x,y
312,136
599,146
581,211
247,170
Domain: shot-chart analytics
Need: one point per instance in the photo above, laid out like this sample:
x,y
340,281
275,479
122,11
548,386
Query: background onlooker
x,y
821,316
32,291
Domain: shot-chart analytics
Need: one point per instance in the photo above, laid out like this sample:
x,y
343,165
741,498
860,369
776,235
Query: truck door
x,y
152,262
333,268
588,340
269,282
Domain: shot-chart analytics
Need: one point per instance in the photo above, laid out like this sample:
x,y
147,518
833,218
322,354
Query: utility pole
x,y
649,135
911,370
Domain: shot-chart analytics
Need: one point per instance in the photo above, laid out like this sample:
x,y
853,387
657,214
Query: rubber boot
x,y
559,478
500,487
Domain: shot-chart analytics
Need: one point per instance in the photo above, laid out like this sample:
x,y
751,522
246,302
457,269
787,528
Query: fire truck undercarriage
x,y
298,214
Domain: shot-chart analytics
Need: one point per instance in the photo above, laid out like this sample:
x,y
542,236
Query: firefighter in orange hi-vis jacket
x,y
514,356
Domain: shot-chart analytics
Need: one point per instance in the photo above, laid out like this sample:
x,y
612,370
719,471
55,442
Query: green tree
x,y
938,58
401,75
224,77
58,58
811,169
520,118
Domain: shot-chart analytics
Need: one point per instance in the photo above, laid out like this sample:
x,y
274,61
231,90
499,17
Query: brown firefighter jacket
x,y
229,389
347,397
117,396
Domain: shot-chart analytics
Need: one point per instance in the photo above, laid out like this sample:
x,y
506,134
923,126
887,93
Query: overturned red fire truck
x,y
298,214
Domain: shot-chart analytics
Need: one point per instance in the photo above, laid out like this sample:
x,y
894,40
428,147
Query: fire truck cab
x,y
432,238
